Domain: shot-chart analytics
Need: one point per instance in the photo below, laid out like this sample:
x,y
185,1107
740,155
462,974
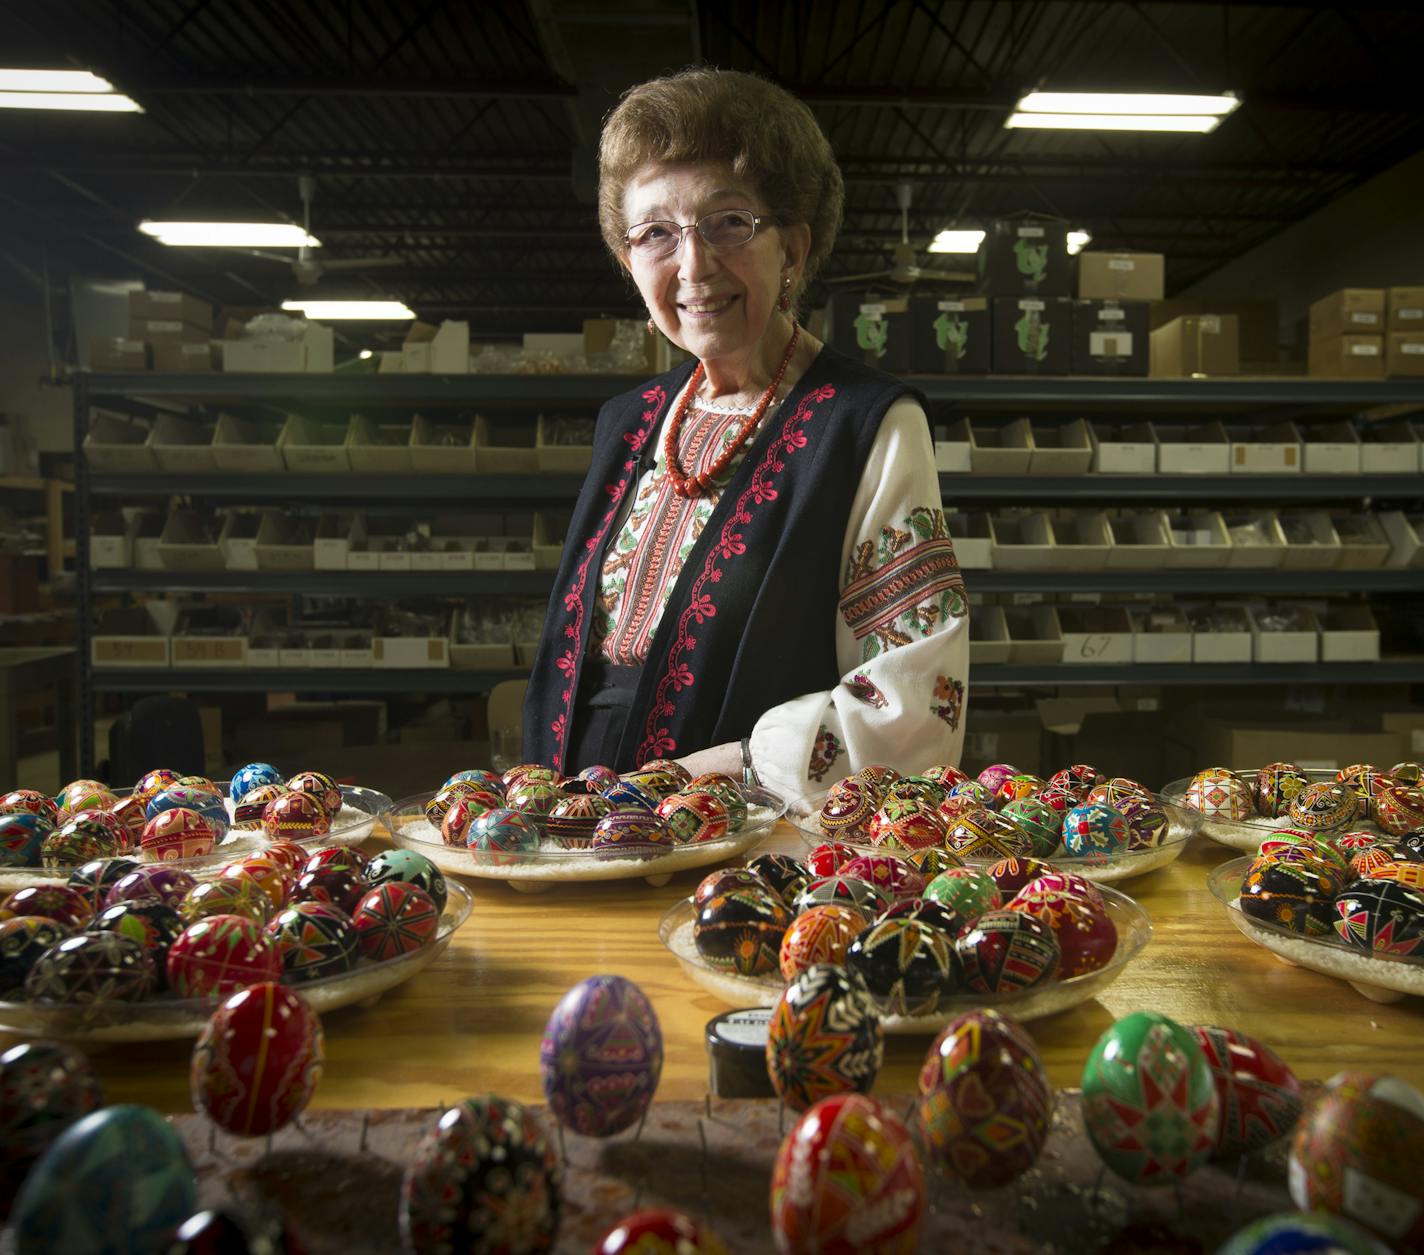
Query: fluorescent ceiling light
x,y
955,241
89,102
1199,124
229,234
53,81
370,311
1138,103
1078,241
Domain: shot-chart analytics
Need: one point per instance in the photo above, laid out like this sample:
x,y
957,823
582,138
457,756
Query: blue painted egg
x,y
245,779
184,797
626,795
118,1181
1298,1233
1095,830
411,867
489,781
502,836
22,836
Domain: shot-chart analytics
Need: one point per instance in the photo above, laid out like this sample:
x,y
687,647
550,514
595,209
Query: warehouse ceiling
x,y
454,142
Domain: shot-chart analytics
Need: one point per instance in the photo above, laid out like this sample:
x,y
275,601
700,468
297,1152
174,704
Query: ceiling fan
x,y
903,267
306,267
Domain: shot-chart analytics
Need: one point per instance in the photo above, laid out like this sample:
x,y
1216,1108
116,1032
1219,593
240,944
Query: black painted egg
x,y
783,873
1298,895
154,925
840,890
96,878
1381,917
92,968
740,931
22,942
907,965
1005,951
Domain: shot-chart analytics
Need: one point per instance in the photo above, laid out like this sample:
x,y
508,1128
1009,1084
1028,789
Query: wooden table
x,y
25,670
472,1022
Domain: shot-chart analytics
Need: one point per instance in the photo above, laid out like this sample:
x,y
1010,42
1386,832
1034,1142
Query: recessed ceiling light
x,y
53,81
1122,111
86,102
1198,124
956,241
229,234
370,311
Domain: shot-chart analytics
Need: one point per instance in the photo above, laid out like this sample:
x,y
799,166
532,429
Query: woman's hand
x,y
726,758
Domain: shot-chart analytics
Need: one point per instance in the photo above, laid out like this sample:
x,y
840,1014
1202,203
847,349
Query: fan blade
x,y
360,263
874,274
957,276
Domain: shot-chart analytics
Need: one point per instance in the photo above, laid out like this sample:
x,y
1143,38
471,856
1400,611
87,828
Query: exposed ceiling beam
x,y
140,85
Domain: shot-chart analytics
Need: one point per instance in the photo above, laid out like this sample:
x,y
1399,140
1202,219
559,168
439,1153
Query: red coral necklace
x,y
695,485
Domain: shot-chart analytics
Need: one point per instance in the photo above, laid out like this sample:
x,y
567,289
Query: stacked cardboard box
x,y
1024,270
1347,334
1404,335
1110,316
175,328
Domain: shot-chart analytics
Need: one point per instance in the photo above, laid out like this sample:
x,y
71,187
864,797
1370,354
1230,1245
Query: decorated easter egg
x,y
22,838
826,859
601,1056
1118,790
257,1061
1058,882
492,781
410,867
1398,808
30,802
1323,808
678,771
783,873
1381,917
725,880
1409,772
995,774
693,816
152,783
483,1180
945,774
899,806
185,797
1410,873
299,816
154,925
313,940
1019,785
1276,785
1412,844
847,1178
335,886
908,966
969,891
247,813
96,878
1095,831
740,930
929,863
963,797
82,795
91,968
1012,874
529,771
1301,1233
824,1037
1077,778
916,830
877,777
320,786
1366,787
460,814
892,875
175,834
22,941
1367,862
656,781
533,798
917,788
1059,798
165,884
820,935
935,915
67,907
842,890
86,836
625,795
1147,822
220,954
395,919
45,1087
131,813
1258,1097
985,1101
273,877
1087,937
1004,951
847,812
131,1171
1356,1154
247,778
727,791
986,835
659,1229
199,782
1299,896
338,857
1149,1102
633,834
572,821
228,895
288,855
1038,821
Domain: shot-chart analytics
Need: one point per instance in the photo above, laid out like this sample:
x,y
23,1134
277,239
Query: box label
x,y
1121,263
1032,304
1414,350
1364,318
1111,315
1364,350
948,307
1209,324
873,311
1409,314
1110,343
1030,233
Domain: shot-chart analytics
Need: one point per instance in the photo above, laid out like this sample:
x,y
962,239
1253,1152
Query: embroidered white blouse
x,y
902,628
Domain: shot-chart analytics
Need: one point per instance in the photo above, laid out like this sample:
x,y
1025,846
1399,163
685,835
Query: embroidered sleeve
x,y
902,634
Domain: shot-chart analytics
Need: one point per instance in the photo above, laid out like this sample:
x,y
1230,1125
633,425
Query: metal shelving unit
x,y
350,583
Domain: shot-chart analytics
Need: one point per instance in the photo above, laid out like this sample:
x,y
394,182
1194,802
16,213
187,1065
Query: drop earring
x,y
651,327
784,301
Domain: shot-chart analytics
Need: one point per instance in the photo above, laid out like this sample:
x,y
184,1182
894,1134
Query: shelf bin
x,y
1080,540
190,543
182,446
1138,542
117,445
1035,637
1256,539
1406,540
973,541
379,448
1311,541
953,448
310,447
247,446
1363,543
1021,542
443,446
1221,633
1349,633
1300,642
552,452
1001,449
1198,539
1330,448
1095,635
285,543
1161,635
1060,449
988,636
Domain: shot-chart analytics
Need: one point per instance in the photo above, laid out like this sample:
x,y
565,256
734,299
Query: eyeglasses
x,y
721,229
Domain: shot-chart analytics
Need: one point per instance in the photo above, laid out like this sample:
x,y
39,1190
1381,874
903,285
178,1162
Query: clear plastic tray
x,y
1247,834
360,809
1379,977
552,864
1134,930
162,1019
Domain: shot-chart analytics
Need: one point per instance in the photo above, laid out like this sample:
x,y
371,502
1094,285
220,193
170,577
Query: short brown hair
x,y
762,131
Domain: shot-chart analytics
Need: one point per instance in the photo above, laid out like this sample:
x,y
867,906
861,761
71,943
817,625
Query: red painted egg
x,y
658,1229
848,810
1005,951
985,1100
727,880
694,816
1087,937
30,802
258,1060
131,816
60,903
342,857
152,783
290,855
299,816
177,833
892,875
247,813
848,1181
1258,1095
1398,807
1074,885
395,919
320,786
459,815
1012,874
219,955
945,774
826,859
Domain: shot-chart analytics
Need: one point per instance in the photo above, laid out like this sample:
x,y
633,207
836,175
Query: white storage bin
x,y
1080,540
115,444
1001,449
953,448
1035,637
379,448
1123,448
247,446
1202,449
110,541
313,448
1299,642
506,448
1138,541
285,543
1021,542
443,446
1198,539
1095,634
190,542
1330,448
1161,634
1363,543
1256,538
1390,448
1406,541
988,636
1349,633
1060,449
238,540
1311,542
973,540
182,446
560,456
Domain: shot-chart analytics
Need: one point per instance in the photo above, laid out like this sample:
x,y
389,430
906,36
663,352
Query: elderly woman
x,y
757,577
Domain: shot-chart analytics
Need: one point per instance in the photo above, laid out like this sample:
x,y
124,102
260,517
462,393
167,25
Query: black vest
x,y
751,619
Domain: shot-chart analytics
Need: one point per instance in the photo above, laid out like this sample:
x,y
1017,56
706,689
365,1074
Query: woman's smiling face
x,y
716,304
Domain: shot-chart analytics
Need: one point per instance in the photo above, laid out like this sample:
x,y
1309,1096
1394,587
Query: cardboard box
x,y
1406,309
313,352
186,356
1349,633
875,330
170,307
1258,324
1022,542
155,331
1123,448
953,447
1406,541
443,446
1330,449
1032,335
1110,338
505,447
1025,256
1060,448
238,541
1096,634
134,636
1275,450
285,542
117,353
476,657
1252,746
1363,543
1035,637
1161,634
1080,540
190,542
1256,538
247,446
1355,311
1404,355
1389,448
310,447
949,335
988,636
559,458
1347,357
410,651
1226,639
182,446
111,541
1138,541
973,541
1198,538
332,541
1121,276
1000,449
379,448
209,636
117,445
1200,449
1311,541
1198,344
1298,643
442,350
147,532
